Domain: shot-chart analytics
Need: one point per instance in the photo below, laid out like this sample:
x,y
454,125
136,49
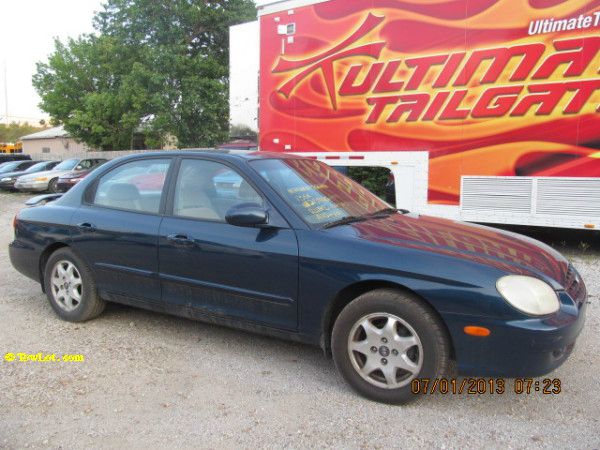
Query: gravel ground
x,y
151,380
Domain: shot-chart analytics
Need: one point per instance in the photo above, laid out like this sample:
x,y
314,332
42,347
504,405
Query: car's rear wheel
x,y
385,339
53,186
70,287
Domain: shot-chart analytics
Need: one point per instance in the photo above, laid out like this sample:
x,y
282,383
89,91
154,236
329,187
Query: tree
x,y
373,178
14,131
92,86
163,65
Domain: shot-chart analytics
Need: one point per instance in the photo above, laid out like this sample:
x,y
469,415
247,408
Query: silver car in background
x,y
47,180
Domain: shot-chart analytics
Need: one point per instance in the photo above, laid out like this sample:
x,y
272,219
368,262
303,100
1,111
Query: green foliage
x,y
156,67
373,178
14,131
93,87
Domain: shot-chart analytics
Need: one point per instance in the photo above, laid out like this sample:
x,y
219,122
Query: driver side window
x,y
206,190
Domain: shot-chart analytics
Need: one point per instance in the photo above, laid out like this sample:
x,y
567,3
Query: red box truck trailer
x,y
484,110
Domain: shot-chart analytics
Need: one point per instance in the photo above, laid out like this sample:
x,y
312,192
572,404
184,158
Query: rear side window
x,y
133,186
25,165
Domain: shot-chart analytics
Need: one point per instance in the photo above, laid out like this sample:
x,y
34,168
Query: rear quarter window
x,y
134,186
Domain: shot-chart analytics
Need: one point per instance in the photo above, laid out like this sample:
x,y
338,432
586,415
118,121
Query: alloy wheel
x,y
385,350
67,285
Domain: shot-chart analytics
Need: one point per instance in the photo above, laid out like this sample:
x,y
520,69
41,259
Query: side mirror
x,y
247,215
43,199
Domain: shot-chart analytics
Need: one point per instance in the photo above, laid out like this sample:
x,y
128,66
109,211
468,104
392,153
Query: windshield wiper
x,y
376,215
344,221
386,212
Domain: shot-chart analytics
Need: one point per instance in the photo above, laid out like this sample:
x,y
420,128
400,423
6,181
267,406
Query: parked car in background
x,y
288,246
70,179
48,180
7,180
239,144
13,157
14,166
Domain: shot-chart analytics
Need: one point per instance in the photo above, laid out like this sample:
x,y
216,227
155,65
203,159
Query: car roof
x,y
226,154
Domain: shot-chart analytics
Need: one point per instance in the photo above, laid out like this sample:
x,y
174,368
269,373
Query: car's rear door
x,y
209,267
116,229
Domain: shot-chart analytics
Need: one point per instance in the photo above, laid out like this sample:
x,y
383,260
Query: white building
x,y
53,143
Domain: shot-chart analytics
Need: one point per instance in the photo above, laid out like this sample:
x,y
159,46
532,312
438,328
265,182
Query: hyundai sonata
x,y
289,247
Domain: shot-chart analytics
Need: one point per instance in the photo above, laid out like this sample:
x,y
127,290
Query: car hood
x,y
11,174
44,173
75,173
506,251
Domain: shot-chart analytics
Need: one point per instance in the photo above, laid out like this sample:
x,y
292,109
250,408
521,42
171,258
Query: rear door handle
x,y
180,239
86,226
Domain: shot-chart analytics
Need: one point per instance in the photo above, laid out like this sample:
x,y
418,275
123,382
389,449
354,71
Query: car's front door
x,y
116,230
210,267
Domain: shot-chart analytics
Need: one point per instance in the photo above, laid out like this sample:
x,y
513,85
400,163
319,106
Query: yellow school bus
x,y
11,148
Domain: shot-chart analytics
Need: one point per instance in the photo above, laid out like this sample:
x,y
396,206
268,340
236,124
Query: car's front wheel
x,y
53,186
70,287
386,338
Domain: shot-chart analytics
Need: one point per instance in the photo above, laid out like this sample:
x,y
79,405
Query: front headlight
x,y
529,295
6,179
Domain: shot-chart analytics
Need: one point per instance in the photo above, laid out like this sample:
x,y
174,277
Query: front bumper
x,y
518,348
31,186
8,185
65,185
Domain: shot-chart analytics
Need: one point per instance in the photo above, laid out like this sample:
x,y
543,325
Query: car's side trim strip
x,y
140,272
208,316
253,295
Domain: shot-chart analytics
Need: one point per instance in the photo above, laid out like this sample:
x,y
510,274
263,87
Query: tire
x,y
71,291
395,338
53,186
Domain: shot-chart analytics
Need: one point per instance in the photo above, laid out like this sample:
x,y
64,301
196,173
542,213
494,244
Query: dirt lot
x,y
151,380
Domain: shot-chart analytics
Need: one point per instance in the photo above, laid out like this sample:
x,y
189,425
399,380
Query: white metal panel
x,y
512,194
244,62
551,202
406,186
568,196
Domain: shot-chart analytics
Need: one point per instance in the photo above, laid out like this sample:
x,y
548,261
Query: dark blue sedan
x,y
289,247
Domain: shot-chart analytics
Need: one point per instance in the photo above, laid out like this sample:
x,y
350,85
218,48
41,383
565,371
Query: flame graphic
x,y
296,99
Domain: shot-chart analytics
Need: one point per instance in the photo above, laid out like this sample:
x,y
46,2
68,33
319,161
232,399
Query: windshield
x,y
9,166
37,167
67,164
317,192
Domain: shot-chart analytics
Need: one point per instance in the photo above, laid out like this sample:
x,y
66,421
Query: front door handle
x,y
86,226
180,239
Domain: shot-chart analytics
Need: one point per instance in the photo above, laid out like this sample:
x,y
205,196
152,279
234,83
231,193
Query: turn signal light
x,y
477,331
590,226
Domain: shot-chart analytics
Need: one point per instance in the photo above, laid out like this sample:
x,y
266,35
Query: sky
x,y
28,31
